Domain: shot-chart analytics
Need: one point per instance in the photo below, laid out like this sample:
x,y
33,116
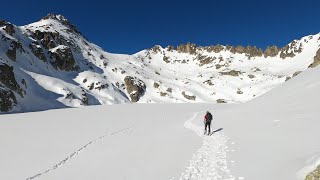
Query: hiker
x,y
207,122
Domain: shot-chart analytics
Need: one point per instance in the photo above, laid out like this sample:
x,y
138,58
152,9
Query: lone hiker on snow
x,y
207,122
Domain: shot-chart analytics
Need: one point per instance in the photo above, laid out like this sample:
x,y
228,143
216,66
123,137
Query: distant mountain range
x,y
50,64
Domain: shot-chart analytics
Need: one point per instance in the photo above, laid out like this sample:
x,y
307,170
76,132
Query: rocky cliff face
x,y
314,175
50,64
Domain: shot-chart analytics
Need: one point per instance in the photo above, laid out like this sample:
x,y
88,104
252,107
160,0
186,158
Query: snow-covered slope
x,y
275,136
50,64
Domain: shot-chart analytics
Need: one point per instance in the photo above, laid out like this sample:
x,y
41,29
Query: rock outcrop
x,y
8,85
316,60
187,48
314,175
135,88
36,49
221,101
64,21
8,27
48,39
8,79
192,98
231,73
7,99
271,51
12,51
64,59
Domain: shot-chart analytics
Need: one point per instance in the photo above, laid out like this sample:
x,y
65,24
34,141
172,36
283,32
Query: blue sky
x,y
129,26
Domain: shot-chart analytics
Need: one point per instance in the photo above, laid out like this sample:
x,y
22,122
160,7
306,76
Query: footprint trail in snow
x,y
210,161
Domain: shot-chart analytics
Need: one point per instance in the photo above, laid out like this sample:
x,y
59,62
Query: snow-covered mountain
x,y
50,64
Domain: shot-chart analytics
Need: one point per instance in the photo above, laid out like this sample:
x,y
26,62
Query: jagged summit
x,y
58,17
290,50
61,19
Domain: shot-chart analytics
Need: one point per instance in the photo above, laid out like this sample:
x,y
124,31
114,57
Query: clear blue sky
x,y
128,26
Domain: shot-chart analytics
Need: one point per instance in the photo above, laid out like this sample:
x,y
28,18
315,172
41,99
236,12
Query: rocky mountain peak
x,y
57,17
61,19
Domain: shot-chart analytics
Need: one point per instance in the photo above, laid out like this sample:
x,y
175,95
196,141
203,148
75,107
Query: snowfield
x,y
275,136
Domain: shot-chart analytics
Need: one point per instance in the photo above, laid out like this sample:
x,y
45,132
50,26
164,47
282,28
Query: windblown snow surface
x,y
275,136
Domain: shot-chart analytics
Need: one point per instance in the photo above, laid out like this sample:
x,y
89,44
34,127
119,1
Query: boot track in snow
x,y
72,155
210,161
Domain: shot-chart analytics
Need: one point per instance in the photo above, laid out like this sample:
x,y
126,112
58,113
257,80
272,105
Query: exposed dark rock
x,y
7,78
163,94
220,101
231,73
251,76
156,49
7,99
64,59
135,88
257,69
11,54
166,59
187,48
271,51
316,60
102,86
170,48
288,78
249,51
169,90
314,175
12,51
218,66
37,51
3,23
239,91
48,39
209,82
193,98
9,28
291,49
102,56
285,52
85,99
91,86
155,85
253,52
204,60
63,21
217,48
296,73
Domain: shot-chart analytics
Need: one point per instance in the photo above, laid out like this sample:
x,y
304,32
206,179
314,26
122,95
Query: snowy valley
x,y
49,64
264,105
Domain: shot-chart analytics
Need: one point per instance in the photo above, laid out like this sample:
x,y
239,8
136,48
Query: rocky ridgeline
x,y
58,47
289,50
64,21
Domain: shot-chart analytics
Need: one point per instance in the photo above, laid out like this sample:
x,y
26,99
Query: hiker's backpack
x,y
209,117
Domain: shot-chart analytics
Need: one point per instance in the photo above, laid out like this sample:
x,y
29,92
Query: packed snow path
x,y
210,161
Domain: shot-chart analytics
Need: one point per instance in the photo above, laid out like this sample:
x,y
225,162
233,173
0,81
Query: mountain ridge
x,y
50,64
